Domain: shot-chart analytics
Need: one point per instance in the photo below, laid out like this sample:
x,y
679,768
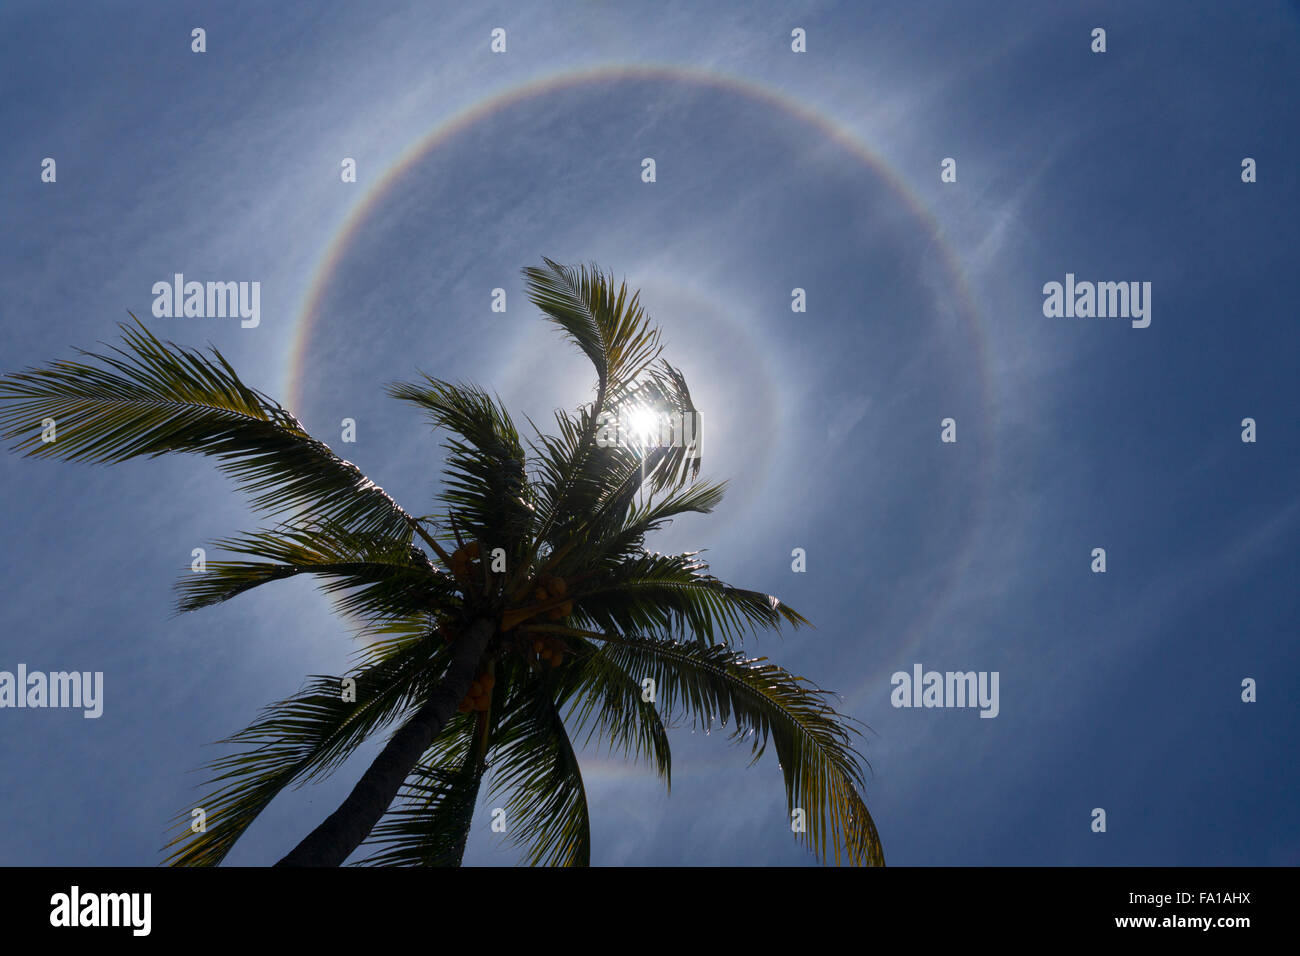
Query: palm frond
x,y
574,474
608,702
674,596
300,739
588,491
610,328
613,331
152,398
763,703
534,761
661,390
373,576
485,482
654,513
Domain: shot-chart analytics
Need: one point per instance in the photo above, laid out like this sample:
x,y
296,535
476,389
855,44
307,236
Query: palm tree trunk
x,y
344,830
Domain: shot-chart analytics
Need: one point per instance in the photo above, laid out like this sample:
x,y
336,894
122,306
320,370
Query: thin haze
x,y
924,301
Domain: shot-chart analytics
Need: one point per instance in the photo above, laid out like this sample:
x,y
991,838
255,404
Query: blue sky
x,y
775,170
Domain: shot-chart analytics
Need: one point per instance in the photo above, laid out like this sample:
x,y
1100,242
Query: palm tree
x,y
526,611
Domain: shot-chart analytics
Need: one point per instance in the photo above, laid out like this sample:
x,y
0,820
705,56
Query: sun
x,y
643,424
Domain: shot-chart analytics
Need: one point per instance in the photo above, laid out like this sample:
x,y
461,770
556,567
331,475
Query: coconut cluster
x,y
464,561
480,694
550,588
549,650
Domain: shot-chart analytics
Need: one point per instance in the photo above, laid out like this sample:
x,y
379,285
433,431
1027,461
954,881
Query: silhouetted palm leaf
x,y
299,739
155,397
763,703
534,762
378,578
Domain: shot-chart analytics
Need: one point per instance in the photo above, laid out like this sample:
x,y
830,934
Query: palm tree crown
x,y
525,612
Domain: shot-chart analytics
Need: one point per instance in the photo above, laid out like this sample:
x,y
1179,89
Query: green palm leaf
x,y
610,703
661,390
152,398
609,327
300,739
764,703
674,596
377,577
534,761
485,482
653,514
